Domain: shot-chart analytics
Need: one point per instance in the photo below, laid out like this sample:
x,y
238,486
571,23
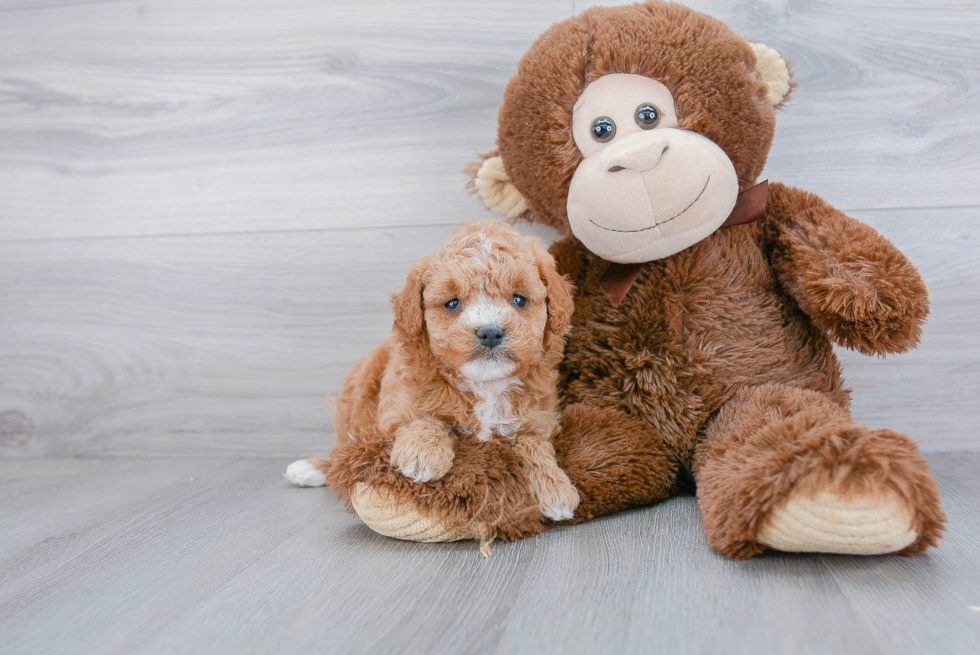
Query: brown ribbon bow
x,y
750,206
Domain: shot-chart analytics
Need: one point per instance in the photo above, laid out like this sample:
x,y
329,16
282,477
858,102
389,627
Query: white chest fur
x,y
493,408
489,380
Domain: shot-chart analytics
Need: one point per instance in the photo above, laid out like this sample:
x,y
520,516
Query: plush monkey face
x,y
634,128
645,189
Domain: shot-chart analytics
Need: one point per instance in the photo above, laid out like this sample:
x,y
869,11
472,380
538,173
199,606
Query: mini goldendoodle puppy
x,y
478,334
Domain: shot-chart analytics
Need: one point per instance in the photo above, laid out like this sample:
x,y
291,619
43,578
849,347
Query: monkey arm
x,y
850,280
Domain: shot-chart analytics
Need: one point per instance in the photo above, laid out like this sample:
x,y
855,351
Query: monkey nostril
x,y
639,156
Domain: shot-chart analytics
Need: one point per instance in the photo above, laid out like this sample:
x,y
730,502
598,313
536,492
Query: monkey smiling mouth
x,y
677,215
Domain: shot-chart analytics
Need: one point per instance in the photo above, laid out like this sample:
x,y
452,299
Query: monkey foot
x,y
399,520
834,523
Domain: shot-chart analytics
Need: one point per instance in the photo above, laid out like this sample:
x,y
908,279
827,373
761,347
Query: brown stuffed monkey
x,y
700,353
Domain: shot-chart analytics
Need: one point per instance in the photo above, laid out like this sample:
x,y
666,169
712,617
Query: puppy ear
x,y
407,303
561,302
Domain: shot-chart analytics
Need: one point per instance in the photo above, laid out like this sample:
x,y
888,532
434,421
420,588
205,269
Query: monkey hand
x,y
850,280
873,305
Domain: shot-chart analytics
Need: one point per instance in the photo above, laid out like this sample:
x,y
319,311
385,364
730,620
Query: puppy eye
x,y
518,300
453,304
647,116
603,129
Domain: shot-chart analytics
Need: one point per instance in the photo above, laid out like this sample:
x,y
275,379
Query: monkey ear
x,y
775,72
407,303
495,188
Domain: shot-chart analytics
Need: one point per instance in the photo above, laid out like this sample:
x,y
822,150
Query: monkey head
x,y
634,128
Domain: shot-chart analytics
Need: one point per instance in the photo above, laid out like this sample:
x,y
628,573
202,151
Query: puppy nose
x,y
639,152
490,336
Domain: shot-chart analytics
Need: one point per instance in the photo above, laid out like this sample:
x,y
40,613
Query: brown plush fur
x,y
773,439
411,397
710,72
718,366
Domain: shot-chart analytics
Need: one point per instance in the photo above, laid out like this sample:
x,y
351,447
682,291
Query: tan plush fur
x,y
717,369
413,397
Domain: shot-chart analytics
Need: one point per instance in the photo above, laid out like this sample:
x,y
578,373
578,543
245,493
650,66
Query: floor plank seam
x,y
226,580
166,500
354,228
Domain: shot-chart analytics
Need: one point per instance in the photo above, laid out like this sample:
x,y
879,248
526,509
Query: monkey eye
x,y
453,304
518,300
603,129
647,116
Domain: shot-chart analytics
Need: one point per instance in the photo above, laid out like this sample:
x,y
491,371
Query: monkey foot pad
x,y
830,523
401,521
825,523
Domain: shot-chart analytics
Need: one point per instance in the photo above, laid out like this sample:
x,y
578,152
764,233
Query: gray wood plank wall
x,y
204,205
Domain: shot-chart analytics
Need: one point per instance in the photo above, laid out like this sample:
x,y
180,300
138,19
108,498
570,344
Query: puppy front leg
x,y
423,450
556,495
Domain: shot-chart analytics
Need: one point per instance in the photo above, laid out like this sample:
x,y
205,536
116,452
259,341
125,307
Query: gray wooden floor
x,y
204,205
223,556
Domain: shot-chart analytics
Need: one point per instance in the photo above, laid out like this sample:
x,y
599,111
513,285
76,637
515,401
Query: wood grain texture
x,y
204,206
203,209
233,559
50,512
227,344
929,393
177,116
134,118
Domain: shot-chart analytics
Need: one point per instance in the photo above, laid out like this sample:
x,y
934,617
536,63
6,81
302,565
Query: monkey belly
x,y
694,329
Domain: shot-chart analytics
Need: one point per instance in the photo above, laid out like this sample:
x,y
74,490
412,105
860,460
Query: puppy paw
x,y
557,496
303,473
421,460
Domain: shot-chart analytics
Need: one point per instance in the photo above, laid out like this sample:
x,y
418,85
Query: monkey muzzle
x,y
651,194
